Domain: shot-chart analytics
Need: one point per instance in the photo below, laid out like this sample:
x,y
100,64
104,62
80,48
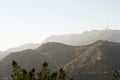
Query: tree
x,y
54,76
116,75
18,73
61,74
44,74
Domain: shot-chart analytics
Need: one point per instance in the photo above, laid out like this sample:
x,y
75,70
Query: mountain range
x,y
91,55
86,37
96,61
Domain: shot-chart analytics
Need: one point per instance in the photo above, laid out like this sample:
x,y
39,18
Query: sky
x,y
32,21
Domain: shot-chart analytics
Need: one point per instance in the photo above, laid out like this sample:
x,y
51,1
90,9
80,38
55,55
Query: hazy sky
x,y
31,21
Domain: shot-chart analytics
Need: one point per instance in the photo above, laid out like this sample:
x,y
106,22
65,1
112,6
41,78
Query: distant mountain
x,y
96,61
86,37
23,47
1,55
19,48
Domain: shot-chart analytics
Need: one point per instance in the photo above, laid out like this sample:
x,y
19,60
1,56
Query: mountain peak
x,y
53,46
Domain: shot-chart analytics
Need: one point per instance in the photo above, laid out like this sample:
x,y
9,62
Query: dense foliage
x,y
116,75
44,74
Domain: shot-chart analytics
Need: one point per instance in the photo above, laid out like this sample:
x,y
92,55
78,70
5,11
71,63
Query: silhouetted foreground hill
x,y
86,37
96,61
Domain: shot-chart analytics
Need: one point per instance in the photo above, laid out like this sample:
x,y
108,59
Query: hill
x,y
57,54
19,48
23,47
96,61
